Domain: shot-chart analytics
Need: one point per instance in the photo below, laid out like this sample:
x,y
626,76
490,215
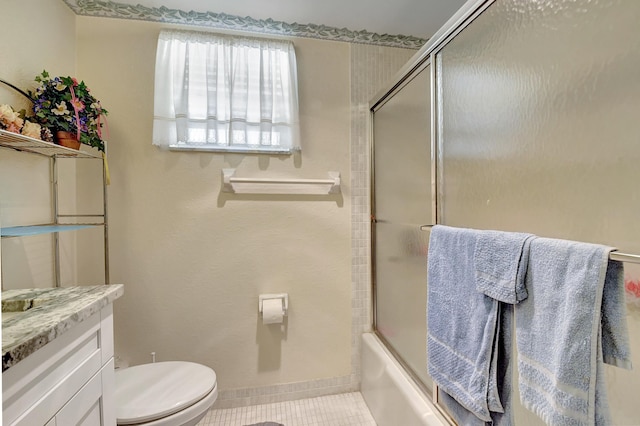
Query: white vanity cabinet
x,y
69,381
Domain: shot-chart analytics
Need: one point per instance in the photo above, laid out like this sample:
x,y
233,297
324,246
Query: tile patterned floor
x,y
347,409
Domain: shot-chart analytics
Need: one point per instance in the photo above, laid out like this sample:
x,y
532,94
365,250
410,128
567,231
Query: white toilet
x,y
173,393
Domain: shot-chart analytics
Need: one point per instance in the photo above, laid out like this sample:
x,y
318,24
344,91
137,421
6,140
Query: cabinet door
x,y
84,408
36,388
108,402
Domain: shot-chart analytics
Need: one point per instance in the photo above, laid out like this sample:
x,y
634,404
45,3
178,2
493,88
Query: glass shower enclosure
x,y
519,116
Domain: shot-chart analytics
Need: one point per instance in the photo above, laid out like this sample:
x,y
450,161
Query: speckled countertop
x,y
31,318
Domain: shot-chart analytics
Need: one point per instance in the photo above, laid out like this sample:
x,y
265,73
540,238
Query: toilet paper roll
x,y
272,311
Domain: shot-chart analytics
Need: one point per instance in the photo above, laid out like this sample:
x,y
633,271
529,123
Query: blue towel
x,y
573,319
501,264
504,375
463,327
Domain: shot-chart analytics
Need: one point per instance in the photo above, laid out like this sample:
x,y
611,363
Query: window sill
x,y
235,149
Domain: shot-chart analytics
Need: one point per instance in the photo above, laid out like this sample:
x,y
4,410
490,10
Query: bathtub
x,y
391,395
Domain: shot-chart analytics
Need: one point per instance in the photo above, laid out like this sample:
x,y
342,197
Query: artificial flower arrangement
x,y
15,121
60,104
63,104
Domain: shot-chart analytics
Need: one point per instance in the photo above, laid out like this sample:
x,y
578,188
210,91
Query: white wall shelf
x,y
237,185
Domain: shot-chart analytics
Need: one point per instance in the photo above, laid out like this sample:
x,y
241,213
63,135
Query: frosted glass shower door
x,y
401,203
539,131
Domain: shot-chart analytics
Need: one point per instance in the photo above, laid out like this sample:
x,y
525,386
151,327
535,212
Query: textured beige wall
x,y
36,37
193,260
176,242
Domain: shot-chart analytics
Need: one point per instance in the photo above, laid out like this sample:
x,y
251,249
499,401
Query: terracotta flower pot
x,y
67,139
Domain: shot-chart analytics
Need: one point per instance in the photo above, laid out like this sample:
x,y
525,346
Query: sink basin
x,y
23,302
17,305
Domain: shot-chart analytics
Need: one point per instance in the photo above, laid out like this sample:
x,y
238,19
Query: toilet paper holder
x,y
284,297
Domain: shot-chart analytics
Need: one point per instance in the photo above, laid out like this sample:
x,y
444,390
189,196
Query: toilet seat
x,y
149,392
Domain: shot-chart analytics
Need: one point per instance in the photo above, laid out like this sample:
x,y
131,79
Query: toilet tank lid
x,y
151,391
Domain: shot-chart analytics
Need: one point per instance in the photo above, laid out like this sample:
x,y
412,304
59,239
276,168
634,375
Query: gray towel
x,y
501,264
462,323
504,375
573,318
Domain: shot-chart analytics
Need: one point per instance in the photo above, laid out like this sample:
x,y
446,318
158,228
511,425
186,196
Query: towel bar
x,y
624,257
614,255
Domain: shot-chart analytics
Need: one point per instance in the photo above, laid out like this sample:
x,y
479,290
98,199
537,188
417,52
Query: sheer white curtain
x,y
225,92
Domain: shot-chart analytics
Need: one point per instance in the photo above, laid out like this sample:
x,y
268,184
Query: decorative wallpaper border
x,y
113,9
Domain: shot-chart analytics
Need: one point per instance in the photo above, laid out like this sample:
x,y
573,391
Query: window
x,y
217,92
